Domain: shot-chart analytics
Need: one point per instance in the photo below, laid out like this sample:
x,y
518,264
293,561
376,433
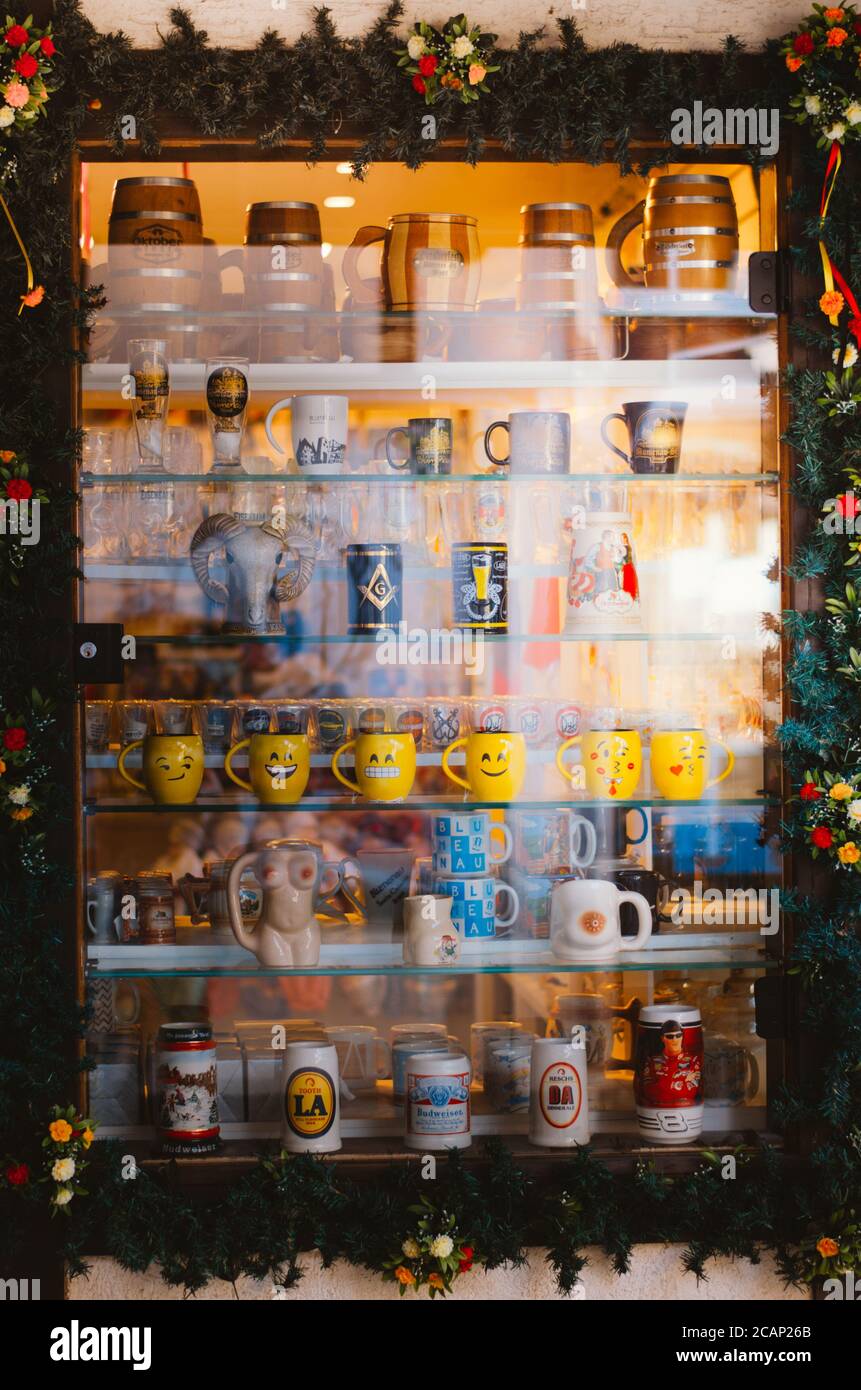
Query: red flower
x,y
810,792
848,504
15,739
47,46
419,83
428,65
17,1174
18,489
821,837
17,36
466,1262
803,44
26,65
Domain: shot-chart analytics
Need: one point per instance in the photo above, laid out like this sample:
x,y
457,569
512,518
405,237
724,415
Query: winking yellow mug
x,y
172,767
612,763
278,766
680,763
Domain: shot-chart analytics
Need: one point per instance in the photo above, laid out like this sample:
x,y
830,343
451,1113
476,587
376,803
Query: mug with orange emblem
x,y
680,760
612,763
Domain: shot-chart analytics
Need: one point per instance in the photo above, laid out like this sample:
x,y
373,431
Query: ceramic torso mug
x,y
612,763
680,760
385,766
172,767
495,765
585,921
278,767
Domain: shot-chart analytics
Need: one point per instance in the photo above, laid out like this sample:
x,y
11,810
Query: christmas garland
x,y
545,103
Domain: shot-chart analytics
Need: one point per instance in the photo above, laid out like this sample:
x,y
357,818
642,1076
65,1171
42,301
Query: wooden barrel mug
x,y
430,260
155,244
690,235
558,276
283,260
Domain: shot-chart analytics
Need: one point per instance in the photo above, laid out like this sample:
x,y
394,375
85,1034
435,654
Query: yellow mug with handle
x,y
681,760
495,765
612,763
172,767
385,766
278,765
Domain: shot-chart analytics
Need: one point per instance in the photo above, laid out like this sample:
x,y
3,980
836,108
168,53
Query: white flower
x,y
853,112
7,116
812,105
853,810
850,357
462,46
63,1169
415,46
63,1196
411,1248
20,795
837,131
441,1246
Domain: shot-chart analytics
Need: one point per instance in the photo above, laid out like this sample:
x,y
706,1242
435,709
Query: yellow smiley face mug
x,y
385,766
681,760
612,763
495,765
278,767
172,767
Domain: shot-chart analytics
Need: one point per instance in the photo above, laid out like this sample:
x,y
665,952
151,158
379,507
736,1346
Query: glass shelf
x,y
295,639
676,480
114,806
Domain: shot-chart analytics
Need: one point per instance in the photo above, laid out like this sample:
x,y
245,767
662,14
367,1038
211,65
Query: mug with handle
x,y
495,764
172,767
680,763
318,429
585,920
385,766
279,766
612,762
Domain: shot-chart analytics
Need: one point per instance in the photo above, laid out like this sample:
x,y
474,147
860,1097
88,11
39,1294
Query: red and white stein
x,y
603,589
668,1073
186,1089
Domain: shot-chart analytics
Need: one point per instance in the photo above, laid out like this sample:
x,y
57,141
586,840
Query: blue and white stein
x,y
463,844
474,904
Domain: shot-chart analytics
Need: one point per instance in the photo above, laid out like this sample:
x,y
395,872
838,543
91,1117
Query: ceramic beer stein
x,y
585,922
172,767
318,430
680,763
279,766
312,1102
495,765
103,919
603,589
430,936
668,1074
385,766
437,1101
559,1099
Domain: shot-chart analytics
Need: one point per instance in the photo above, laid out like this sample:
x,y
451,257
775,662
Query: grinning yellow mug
x,y
172,767
278,766
385,766
612,763
495,765
680,763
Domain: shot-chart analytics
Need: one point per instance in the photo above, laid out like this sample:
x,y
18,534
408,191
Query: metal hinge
x,y
770,282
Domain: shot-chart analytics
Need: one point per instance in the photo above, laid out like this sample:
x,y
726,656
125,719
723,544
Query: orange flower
x,y
7,455
435,1281
60,1131
404,1275
849,853
477,73
833,16
87,1138
794,63
836,37
2,767
22,813
831,302
36,295
827,1247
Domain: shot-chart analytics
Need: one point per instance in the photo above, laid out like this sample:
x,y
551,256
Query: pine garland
x,y
548,103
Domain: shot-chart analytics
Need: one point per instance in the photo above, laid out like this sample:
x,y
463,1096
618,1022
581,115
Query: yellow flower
x,y
404,1275
87,1138
831,303
827,1247
849,853
841,791
477,73
435,1281
60,1131
22,813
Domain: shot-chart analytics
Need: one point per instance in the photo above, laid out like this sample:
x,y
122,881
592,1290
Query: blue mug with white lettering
x,y
474,904
463,843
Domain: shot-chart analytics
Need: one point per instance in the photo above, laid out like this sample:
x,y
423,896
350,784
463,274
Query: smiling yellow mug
x,y
172,767
681,759
385,766
278,766
612,763
495,765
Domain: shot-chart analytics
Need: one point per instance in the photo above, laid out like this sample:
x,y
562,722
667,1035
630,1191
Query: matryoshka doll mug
x,y
680,763
172,767
612,763
278,766
495,765
385,766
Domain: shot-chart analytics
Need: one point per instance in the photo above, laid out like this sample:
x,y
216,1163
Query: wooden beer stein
x,y
690,235
431,260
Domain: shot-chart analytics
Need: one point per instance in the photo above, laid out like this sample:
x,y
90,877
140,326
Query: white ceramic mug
x,y
311,1100
482,1035
507,1073
437,1101
103,919
318,426
585,923
430,936
558,1095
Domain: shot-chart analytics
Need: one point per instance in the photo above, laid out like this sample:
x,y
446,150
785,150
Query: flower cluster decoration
x,y
25,68
432,1255
832,808
835,1252
455,58
16,487
65,1155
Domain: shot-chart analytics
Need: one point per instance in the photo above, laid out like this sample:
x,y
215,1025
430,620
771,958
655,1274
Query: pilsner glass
x,y
226,405
149,366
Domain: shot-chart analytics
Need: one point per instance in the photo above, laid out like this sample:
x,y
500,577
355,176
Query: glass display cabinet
x,y
462,530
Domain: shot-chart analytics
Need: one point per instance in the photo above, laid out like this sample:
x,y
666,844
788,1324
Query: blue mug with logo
x,y
463,844
474,903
